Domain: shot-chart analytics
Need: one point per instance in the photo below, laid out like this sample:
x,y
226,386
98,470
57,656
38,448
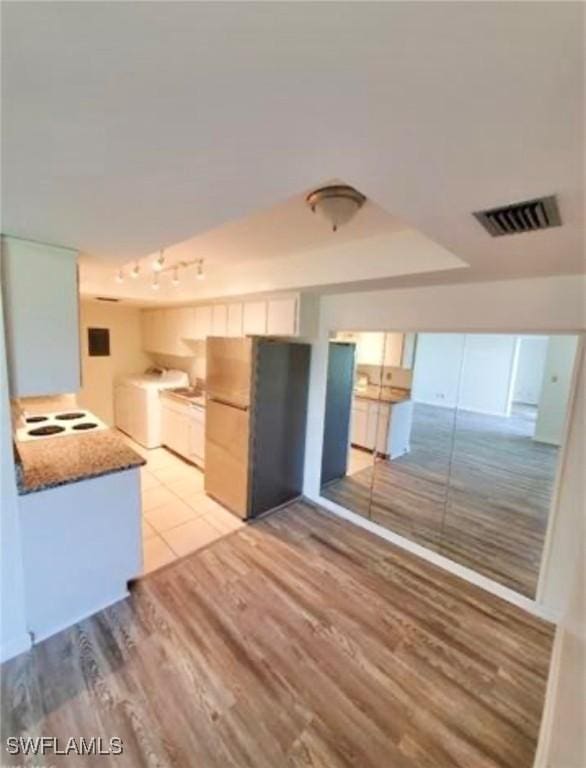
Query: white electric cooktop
x,y
76,421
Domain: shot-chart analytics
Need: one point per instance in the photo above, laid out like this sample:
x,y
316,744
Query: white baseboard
x,y
531,606
75,620
15,646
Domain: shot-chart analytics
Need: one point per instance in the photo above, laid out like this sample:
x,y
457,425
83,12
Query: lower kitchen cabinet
x,y
183,429
384,426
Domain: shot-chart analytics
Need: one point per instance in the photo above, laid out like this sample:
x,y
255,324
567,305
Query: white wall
x,y
555,389
13,635
126,355
562,740
472,372
438,364
539,305
530,365
488,365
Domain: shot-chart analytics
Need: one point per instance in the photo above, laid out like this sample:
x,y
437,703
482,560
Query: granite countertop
x,y
48,463
383,394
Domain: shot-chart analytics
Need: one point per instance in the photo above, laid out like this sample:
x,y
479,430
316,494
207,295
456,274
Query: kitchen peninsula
x,y
381,419
80,510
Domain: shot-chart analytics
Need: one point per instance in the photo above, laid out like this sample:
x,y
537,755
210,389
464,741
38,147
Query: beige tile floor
x,y
177,516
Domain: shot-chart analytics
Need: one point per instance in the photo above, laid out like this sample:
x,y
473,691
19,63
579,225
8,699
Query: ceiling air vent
x,y
527,216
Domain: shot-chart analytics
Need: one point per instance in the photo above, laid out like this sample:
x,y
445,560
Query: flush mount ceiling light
x,y
337,203
135,271
199,274
159,262
120,276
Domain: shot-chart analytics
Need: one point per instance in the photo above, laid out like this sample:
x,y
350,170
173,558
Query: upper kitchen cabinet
x,y
172,331
254,318
202,322
234,327
220,320
282,316
393,350
40,291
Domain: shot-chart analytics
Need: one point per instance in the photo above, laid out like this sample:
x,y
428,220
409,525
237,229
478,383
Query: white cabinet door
x,y
382,428
394,349
175,429
203,322
282,317
197,435
234,320
358,427
254,319
370,348
219,320
40,295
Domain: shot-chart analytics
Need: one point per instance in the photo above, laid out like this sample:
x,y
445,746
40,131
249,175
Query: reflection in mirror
x,y
410,479
351,429
452,441
511,410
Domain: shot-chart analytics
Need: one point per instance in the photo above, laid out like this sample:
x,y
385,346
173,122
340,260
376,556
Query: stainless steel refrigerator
x,y
255,422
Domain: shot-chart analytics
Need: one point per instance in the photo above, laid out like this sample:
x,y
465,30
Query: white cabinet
x,y
393,350
203,322
234,320
254,318
197,435
370,348
40,296
170,331
282,317
359,420
370,424
183,429
219,320
175,427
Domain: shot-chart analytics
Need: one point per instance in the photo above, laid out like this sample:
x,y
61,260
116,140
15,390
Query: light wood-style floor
x,y
296,642
475,488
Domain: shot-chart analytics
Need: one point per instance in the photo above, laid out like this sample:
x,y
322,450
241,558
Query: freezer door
x,y
226,450
229,370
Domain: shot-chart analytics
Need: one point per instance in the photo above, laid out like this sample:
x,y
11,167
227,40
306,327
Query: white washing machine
x,y
137,405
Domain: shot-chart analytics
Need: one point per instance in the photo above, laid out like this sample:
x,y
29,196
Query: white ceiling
x,y
131,126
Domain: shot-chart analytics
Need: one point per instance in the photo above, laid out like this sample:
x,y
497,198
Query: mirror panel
x,y
512,407
453,441
411,476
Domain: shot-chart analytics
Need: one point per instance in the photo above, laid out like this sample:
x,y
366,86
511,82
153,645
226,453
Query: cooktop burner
x,y
70,416
50,429
35,419
85,425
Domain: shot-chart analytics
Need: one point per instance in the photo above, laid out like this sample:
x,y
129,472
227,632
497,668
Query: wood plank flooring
x,y
297,642
475,488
